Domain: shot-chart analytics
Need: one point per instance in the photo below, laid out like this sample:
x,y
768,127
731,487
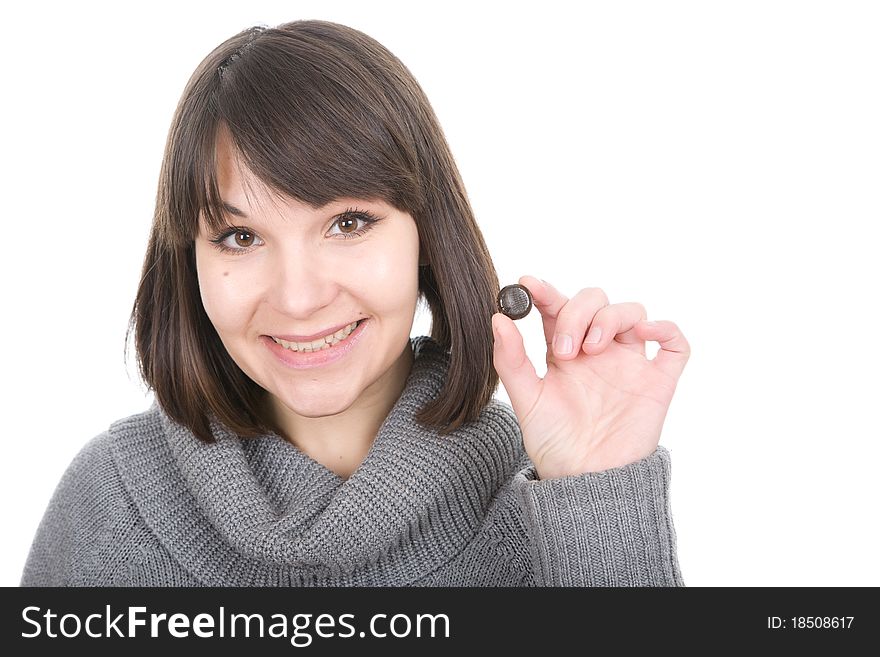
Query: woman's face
x,y
291,270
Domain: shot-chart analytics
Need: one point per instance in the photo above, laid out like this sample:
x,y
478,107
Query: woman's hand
x,y
602,405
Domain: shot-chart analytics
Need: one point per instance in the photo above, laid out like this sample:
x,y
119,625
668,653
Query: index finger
x,y
548,300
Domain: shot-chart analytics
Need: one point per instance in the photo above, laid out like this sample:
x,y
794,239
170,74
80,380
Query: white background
x,y
716,162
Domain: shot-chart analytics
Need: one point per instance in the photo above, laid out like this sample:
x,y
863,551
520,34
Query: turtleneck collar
x,y
259,512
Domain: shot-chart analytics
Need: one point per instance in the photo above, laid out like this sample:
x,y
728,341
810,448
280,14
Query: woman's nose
x,y
301,282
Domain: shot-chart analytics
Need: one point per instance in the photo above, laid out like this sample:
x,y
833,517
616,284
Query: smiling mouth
x,y
322,343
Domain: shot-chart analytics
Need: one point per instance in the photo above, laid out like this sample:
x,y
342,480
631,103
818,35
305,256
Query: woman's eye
x,y
348,224
237,240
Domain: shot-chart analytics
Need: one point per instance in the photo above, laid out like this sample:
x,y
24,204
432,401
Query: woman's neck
x,y
342,441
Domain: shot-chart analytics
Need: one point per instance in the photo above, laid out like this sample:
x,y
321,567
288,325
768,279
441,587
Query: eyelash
x,y
367,217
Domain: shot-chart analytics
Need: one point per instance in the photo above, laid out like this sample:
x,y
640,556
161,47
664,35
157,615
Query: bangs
x,y
308,125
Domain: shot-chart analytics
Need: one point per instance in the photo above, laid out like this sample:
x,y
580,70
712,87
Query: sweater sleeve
x,y
608,528
74,519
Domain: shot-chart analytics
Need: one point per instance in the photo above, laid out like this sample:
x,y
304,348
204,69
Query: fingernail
x,y
497,334
562,344
594,335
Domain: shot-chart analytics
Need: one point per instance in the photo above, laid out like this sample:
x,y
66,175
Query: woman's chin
x,y
322,406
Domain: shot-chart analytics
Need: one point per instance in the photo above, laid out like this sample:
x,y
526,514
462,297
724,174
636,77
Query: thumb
x,y
514,368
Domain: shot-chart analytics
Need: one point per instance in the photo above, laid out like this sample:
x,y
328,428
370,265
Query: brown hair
x,y
317,111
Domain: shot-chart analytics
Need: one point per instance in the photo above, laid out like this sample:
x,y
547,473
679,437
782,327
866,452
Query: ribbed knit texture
x,y
147,504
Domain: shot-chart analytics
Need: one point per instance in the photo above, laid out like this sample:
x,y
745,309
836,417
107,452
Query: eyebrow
x,y
231,209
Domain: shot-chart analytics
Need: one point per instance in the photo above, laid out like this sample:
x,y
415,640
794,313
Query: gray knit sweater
x,y
147,504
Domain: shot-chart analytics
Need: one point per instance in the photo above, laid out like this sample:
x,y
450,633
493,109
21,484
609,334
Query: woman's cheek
x,y
393,274
221,288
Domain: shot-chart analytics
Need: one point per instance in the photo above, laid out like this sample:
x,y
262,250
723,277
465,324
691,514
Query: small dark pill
x,y
515,301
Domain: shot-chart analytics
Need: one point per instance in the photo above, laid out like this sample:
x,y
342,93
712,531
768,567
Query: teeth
x,y
318,345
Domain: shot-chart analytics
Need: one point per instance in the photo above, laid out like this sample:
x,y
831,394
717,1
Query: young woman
x,y
307,203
